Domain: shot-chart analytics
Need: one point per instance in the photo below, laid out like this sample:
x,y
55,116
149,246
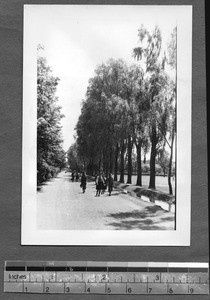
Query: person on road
x,y
77,176
99,184
110,181
104,185
72,176
83,182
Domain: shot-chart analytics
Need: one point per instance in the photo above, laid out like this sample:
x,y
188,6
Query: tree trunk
x,y
139,167
99,164
104,161
116,161
152,158
164,171
122,170
130,146
111,160
106,170
91,166
170,166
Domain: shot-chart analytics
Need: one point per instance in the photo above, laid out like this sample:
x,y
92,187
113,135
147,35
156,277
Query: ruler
x,y
93,277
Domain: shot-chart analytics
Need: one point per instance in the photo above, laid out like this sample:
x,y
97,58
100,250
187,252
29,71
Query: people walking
x,y
77,176
104,184
72,176
110,182
83,182
99,184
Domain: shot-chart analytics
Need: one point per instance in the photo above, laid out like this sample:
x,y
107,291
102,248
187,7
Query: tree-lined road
x,y
61,205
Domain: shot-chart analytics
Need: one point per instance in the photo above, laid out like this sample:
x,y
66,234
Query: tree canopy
x,y
129,112
50,154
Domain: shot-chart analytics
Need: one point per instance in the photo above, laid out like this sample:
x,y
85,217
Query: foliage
x,y
127,106
50,155
161,92
163,160
172,51
74,161
103,116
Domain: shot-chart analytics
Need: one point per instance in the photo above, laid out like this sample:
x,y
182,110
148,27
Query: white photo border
x,y
179,237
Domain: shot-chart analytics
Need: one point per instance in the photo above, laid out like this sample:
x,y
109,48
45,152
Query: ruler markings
x,y
106,278
102,277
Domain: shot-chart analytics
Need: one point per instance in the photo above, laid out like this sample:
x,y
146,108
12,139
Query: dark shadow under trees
x,y
143,220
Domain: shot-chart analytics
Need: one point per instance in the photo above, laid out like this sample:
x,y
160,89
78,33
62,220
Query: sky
x,y
77,38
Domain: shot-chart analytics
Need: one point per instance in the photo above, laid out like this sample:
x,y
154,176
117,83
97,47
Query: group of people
x,y
75,175
102,183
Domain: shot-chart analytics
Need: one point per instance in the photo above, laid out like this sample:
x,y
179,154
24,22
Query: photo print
x,y
106,125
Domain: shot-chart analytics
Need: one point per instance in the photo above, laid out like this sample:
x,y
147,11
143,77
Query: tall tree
x,y
172,60
100,125
50,154
166,116
138,114
166,106
150,53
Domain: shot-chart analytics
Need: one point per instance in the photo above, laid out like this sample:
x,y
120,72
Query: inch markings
x,y
106,278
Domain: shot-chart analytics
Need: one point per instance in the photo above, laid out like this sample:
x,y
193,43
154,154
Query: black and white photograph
x,y
106,125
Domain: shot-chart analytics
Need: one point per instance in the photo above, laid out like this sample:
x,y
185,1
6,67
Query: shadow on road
x,y
168,219
149,219
114,194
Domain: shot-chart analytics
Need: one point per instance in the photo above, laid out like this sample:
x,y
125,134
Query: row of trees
x,y
161,167
50,155
130,109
